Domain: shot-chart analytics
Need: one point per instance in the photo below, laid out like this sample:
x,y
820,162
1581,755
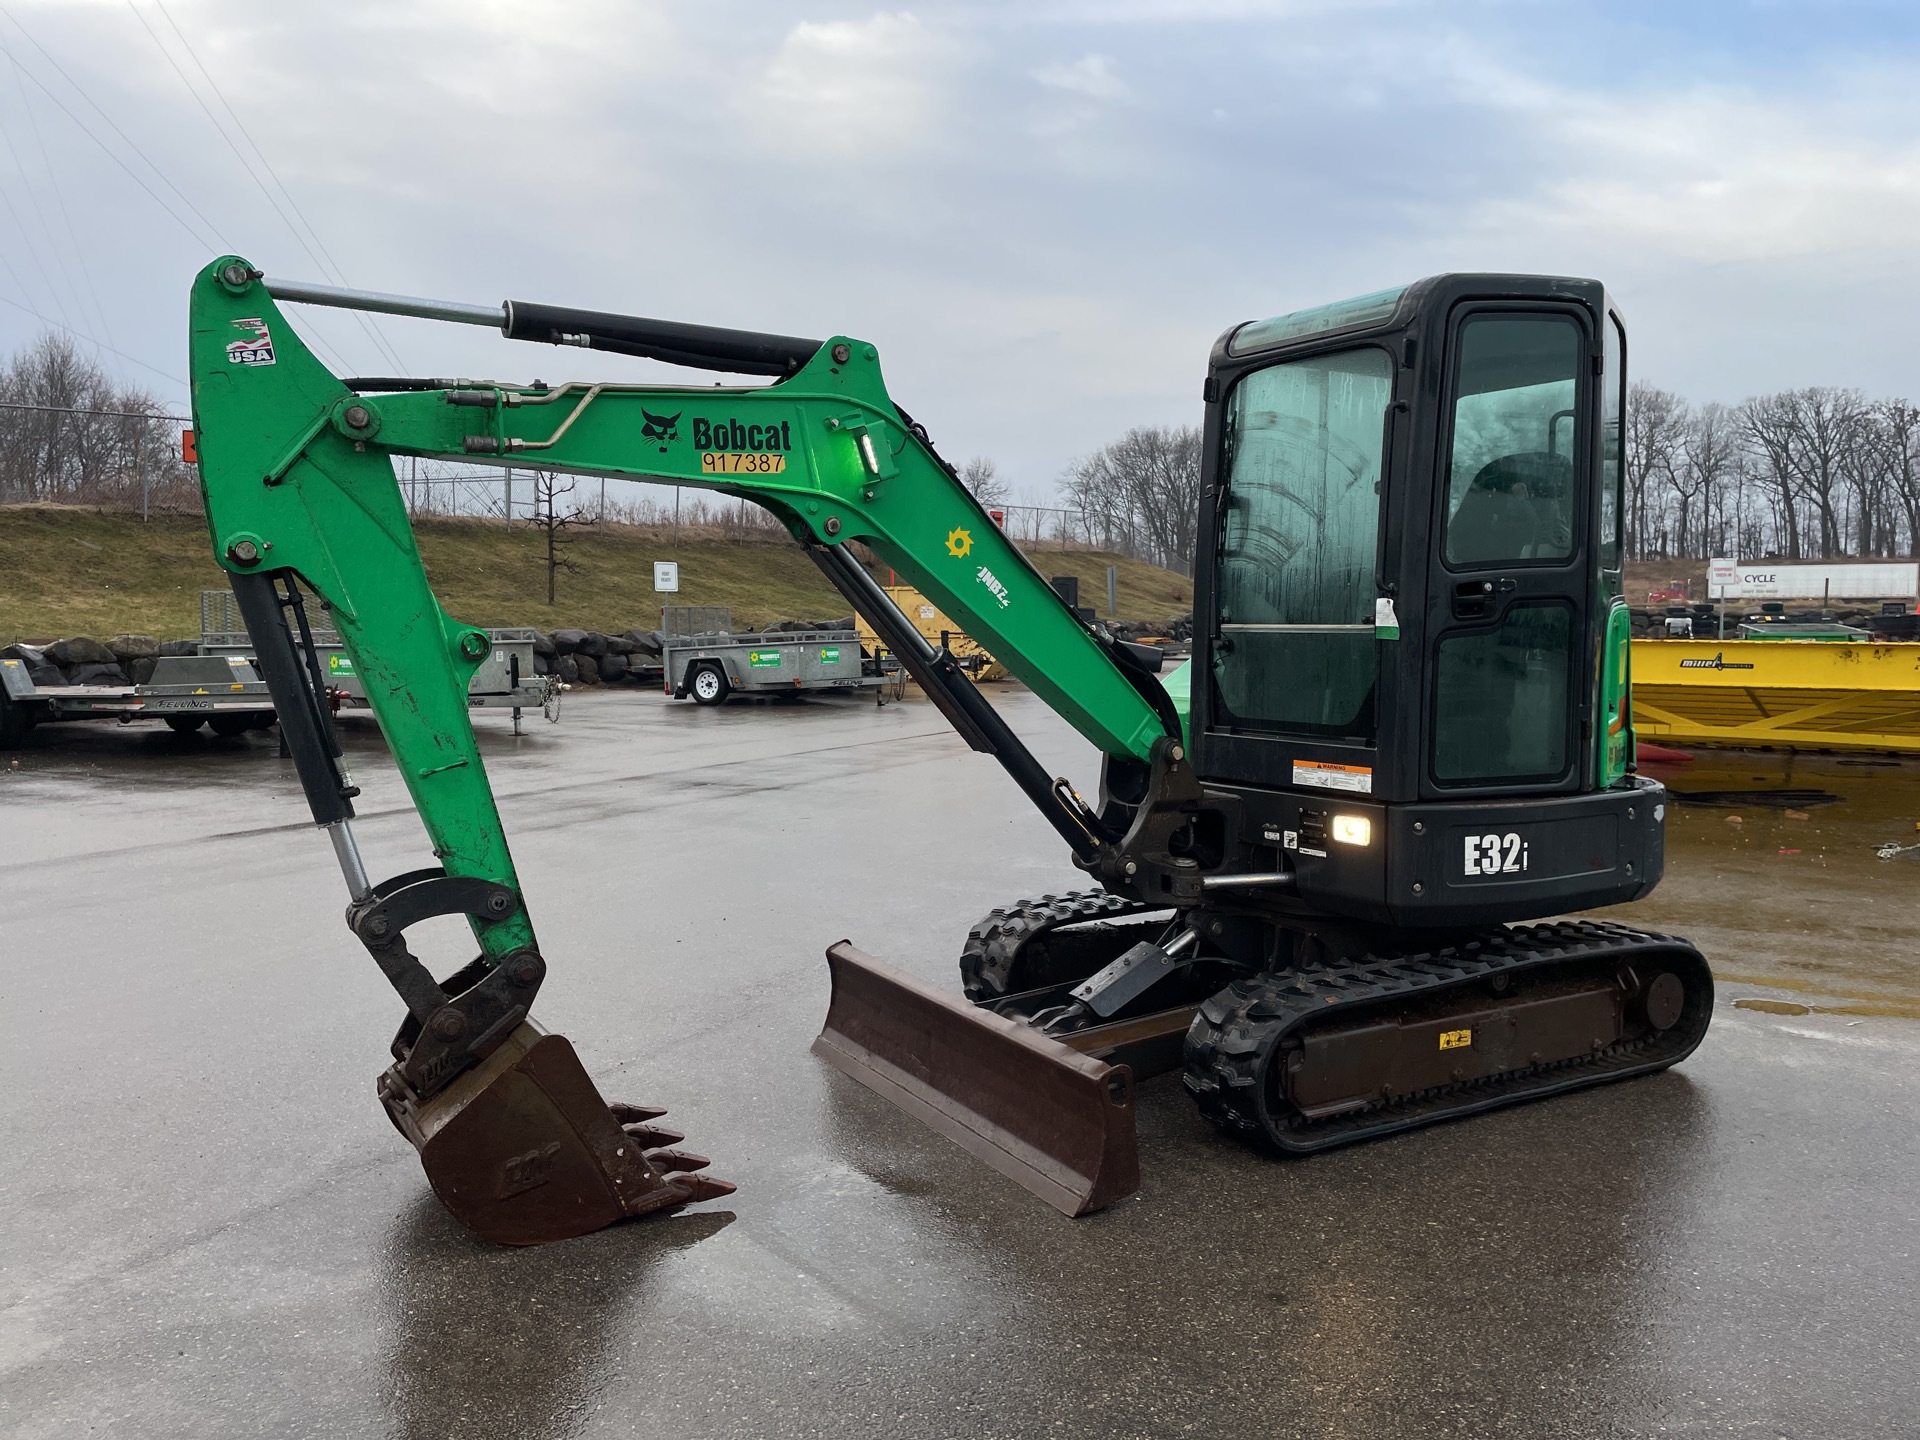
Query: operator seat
x,y
1519,507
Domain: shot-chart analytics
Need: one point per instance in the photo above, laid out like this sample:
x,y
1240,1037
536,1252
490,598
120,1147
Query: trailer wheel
x,y
229,725
16,723
185,724
709,685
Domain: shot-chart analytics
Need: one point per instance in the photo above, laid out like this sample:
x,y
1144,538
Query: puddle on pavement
x,y
1772,1007
1796,872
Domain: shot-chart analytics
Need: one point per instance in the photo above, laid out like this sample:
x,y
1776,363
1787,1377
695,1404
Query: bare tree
x,y
981,476
1141,494
548,491
1656,429
1707,460
1775,437
68,433
1899,440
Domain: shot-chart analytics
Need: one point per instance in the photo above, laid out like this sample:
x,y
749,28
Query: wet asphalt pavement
x,y
208,1228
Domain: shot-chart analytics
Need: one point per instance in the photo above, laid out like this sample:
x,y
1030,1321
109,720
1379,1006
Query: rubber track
x,y
995,943
1241,1027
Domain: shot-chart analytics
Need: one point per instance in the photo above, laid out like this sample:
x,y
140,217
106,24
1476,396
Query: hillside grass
x,y
65,570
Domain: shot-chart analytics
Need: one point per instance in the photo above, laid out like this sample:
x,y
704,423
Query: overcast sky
x,y
1041,212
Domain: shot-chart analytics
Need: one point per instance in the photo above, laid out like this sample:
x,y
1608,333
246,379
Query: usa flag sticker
x,y
254,347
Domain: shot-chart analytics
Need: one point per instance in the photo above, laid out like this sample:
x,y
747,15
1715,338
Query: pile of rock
x,y
123,660
589,657
789,627
1178,630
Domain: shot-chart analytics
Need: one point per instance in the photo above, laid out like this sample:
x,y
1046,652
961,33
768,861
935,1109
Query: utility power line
x,y
379,340
84,410
68,329
200,239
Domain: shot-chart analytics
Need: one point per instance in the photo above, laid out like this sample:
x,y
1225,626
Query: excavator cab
x,y
1413,587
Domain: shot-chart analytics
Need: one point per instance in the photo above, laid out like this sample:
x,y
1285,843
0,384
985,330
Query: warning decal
x,y
1324,776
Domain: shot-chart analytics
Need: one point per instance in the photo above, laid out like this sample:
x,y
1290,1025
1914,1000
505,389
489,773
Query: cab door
x,y
1510,585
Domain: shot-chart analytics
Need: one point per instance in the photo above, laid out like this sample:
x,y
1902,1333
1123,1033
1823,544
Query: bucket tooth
x,y
677,1161
523,1150
1056,1121
653,1137
635,1114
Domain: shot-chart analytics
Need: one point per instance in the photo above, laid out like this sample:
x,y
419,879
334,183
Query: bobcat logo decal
x,y
664,428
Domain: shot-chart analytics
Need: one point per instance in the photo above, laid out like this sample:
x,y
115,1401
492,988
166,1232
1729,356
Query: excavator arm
x,y
304,512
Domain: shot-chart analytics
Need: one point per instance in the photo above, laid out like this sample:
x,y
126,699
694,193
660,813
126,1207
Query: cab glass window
x,y
1501,698
1299,538
1613,414
1510,474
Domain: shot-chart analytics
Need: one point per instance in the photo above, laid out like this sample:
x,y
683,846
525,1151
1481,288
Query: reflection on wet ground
x,y
1788,870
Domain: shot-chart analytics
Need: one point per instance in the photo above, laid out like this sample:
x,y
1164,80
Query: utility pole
x,y
506,503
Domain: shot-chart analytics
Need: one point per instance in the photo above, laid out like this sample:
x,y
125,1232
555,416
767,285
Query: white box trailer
x,y
1868,580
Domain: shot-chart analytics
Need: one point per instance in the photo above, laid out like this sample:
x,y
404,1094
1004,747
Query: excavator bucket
x,y
1053,1119
523,1150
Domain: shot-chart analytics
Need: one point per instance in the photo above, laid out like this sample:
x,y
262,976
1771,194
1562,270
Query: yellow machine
x,y
936,629
1794,694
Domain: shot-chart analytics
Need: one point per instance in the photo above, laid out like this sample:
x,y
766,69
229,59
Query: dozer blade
x,y
1056,1121
523,1150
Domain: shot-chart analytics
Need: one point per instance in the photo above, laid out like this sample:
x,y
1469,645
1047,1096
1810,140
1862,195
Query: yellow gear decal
x,y
959,544
1456,1039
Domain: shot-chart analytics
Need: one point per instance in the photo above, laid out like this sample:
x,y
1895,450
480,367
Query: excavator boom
x,y
303,506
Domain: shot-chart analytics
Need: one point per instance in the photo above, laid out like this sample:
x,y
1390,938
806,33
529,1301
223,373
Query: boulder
x,y
644,642
134,647
179,647
543,664
543,645
612,666
595,644
96,674
141,667
79,651
619,645
589,669
567,667
32,654
43,674
567,642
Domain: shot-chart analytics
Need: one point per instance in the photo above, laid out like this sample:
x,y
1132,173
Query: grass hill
x,y
66,570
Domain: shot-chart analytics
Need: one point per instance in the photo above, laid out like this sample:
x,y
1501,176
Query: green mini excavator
x,y
1404,729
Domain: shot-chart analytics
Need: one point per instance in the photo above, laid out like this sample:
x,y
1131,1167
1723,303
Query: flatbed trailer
x,y
185,692
505,679
703,658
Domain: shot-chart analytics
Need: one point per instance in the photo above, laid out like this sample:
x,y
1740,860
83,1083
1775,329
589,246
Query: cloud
x,y
1091,75
852,87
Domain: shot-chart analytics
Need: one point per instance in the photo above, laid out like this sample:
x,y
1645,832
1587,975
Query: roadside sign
x,y
666,575
1723,579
